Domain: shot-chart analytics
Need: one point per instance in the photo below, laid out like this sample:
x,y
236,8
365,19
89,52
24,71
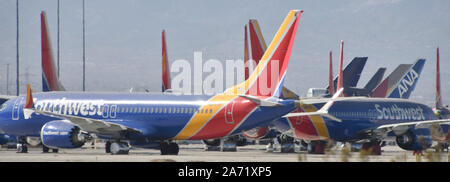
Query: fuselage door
x,y
105,112
112,111
229,113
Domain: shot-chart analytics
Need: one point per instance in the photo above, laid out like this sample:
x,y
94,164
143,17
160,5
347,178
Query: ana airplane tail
x,y
401,82
166,85
50,80
268,76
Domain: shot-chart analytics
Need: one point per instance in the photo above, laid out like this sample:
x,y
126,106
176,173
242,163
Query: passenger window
x,y
210,111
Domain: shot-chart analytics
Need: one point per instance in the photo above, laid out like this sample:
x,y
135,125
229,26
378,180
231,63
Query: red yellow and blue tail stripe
x,y
222,107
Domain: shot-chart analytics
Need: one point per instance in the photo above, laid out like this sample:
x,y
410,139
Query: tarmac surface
x,y
196,153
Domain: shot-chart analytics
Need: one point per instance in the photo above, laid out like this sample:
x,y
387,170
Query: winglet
x,y
29,104
27,109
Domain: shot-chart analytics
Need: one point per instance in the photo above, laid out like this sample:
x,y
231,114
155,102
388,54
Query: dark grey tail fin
x,y
375,80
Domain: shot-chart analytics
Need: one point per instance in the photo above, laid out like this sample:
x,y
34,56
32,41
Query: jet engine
x,y
415,139
62,134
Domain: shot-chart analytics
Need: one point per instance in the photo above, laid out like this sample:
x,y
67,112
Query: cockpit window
x,y
3,106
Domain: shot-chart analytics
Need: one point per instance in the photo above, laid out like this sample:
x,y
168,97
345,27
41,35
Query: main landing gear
x,y
45,149
117,148
22,146
287,144
169,148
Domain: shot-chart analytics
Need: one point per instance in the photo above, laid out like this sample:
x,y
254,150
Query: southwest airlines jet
x,y
367,120
66,119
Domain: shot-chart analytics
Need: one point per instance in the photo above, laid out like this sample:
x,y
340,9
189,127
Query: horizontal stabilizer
x,y
320,113
260,102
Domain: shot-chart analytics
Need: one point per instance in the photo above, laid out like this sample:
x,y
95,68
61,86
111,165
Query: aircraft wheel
x,y
169,148
108,147
45,149
22,148
118,148
22,145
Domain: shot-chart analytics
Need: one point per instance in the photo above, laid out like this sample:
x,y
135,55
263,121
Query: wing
x,y
91,125
400,128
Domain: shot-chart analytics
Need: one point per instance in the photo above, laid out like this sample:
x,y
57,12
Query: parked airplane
x,y
65,119
442,132
351,76
368,120
441,111
307,127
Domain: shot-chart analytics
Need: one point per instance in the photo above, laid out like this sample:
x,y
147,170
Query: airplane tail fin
x,y
166,85
351,73
340,82
375,80
438,82
246,56
50,80
256,41
268,76
330,79
401,82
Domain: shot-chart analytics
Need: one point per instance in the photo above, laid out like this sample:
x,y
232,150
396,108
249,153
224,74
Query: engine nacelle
x,y
415,139
62,134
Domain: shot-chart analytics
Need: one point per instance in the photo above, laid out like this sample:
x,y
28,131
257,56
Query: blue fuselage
x,y
157,116
357,117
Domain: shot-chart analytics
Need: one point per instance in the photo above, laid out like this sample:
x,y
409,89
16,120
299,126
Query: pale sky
x,y
123,39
